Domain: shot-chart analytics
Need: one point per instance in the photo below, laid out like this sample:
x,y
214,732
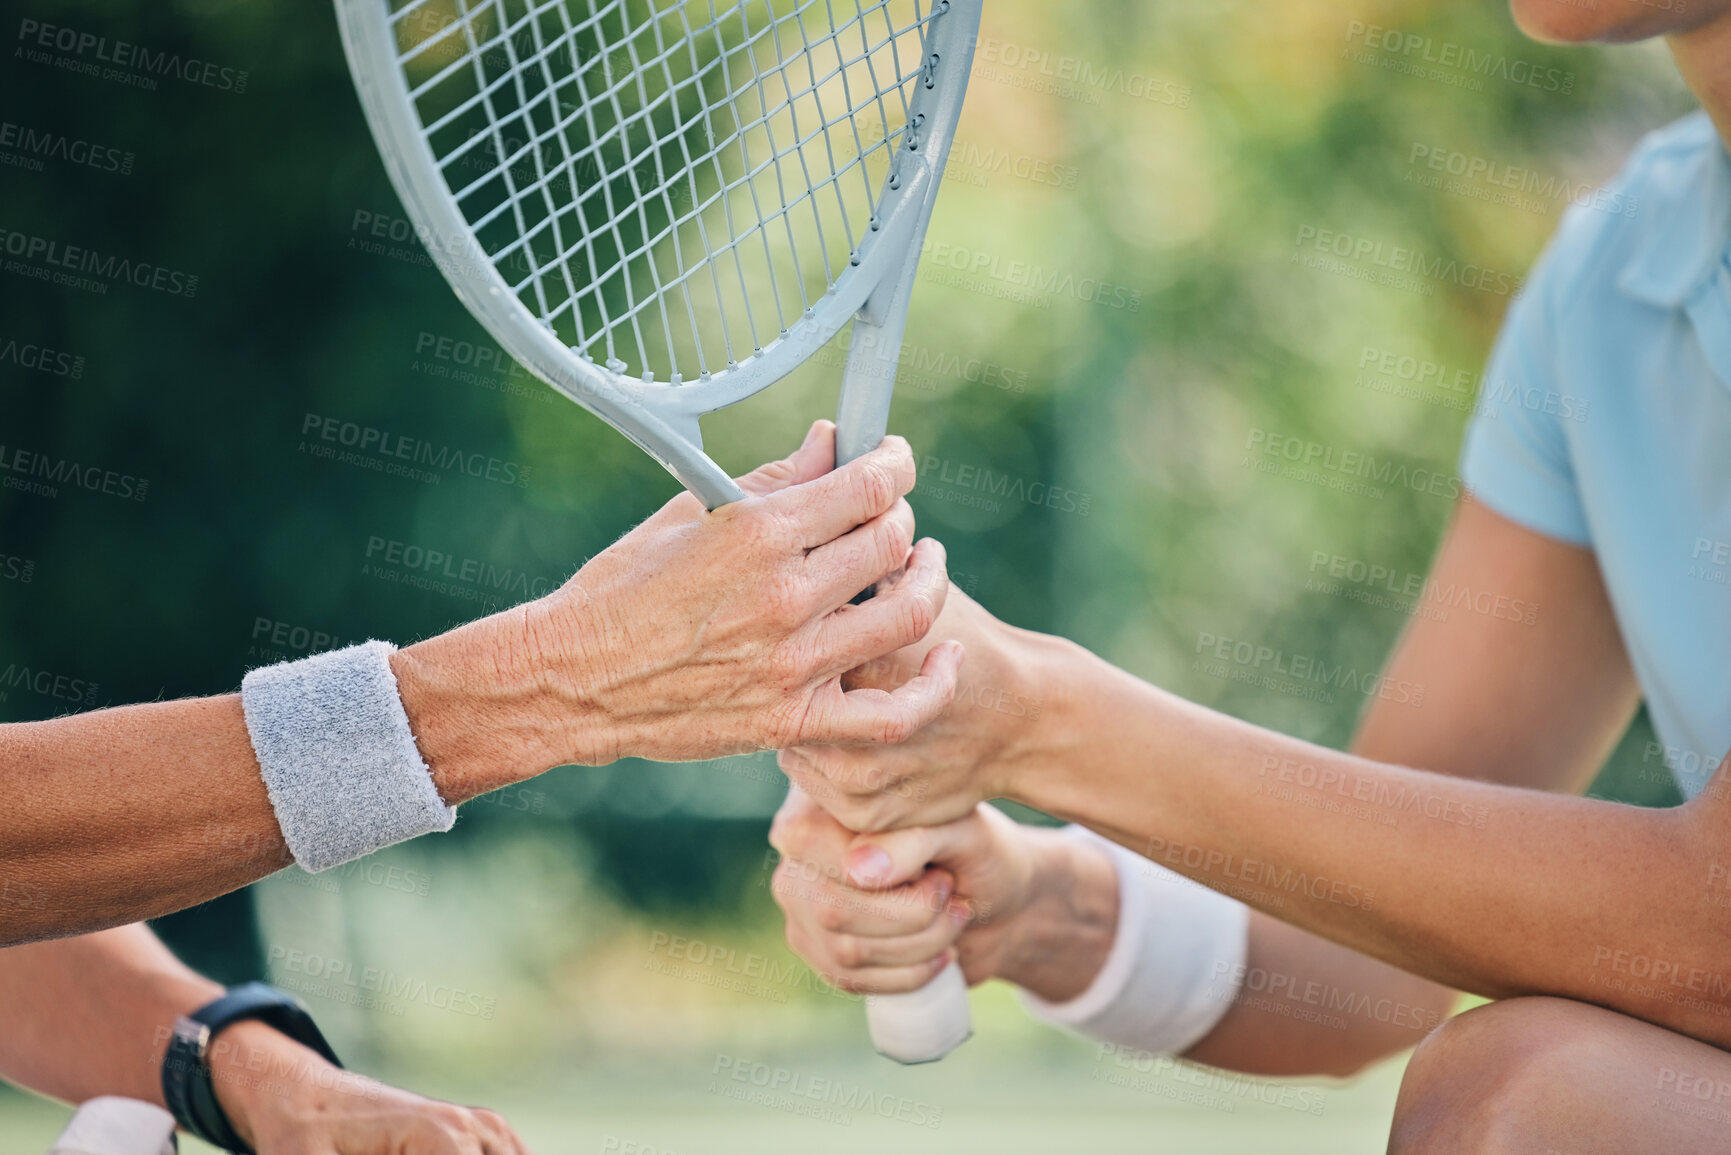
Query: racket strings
x,y
668,185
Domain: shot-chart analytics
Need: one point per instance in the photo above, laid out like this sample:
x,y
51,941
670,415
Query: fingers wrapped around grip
x,y
876,940
827,507
837,716
874,552
899,614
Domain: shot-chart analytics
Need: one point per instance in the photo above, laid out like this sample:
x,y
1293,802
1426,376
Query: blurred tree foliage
x,y
1192,143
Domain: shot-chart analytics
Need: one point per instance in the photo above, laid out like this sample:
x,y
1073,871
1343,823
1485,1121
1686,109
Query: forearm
x,y
1472,885
91,1015
1305,1006
117,815
1299,1005
123,814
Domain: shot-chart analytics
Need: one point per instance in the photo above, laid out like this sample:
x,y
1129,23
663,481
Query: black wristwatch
x,y
186,1084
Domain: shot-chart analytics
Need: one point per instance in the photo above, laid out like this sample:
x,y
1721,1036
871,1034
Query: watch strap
x,y
187,1086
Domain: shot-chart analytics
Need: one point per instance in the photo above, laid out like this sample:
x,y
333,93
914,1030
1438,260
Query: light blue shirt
x,y
1605,421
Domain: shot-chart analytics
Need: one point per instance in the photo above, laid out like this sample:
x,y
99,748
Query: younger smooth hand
x,y
884,913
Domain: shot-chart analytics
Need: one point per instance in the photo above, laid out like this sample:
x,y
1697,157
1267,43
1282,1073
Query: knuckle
x,y
878,486
832,918
766,528
800,831
781,885
784,599
898,728
917,616
852,776
854,814
492,1121
895,539
789,724
787,667
898,455
786,835
849,951
452,1125
871,816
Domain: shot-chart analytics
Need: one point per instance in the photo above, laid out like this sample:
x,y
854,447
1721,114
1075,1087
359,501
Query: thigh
x,y
1554,1077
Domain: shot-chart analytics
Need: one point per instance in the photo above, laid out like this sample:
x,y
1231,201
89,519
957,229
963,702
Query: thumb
x,y
814,458
882,861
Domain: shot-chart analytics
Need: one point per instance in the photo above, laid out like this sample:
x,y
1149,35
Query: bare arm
x,y
696,635
92,1016
1042,912
1535,705
128,813
1475,885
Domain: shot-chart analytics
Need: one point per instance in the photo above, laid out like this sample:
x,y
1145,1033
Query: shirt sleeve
x,y
1516,456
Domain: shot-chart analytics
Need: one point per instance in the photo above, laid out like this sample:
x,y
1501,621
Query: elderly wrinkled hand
x,y
700,633
968,753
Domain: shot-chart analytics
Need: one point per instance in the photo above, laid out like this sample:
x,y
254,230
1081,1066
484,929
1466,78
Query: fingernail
x,y
868,866
810,435
943,893
960,912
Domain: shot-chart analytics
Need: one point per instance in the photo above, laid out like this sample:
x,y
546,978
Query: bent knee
x,y
1480,1083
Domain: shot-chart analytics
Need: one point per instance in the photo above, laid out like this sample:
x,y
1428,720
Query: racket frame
x,y
662,418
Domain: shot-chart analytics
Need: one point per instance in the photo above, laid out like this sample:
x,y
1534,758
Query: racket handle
x,y
925,1025
110,1125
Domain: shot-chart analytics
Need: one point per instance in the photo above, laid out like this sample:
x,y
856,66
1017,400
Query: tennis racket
x,y
661,207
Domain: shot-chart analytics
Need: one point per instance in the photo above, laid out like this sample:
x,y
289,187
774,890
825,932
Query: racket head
x,y
661,207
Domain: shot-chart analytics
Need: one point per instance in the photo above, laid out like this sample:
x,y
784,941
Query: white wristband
x,y
1174,966
338,758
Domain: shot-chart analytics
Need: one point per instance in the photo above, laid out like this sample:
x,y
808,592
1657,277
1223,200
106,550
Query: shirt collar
x,y
1687,230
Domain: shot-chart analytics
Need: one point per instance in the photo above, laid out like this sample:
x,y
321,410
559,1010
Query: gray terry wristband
x,y
339,761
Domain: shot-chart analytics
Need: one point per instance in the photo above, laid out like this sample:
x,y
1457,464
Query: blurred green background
x,y
1177,150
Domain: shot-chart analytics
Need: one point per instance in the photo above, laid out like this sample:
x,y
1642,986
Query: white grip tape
x,y
925,1025
110,1125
